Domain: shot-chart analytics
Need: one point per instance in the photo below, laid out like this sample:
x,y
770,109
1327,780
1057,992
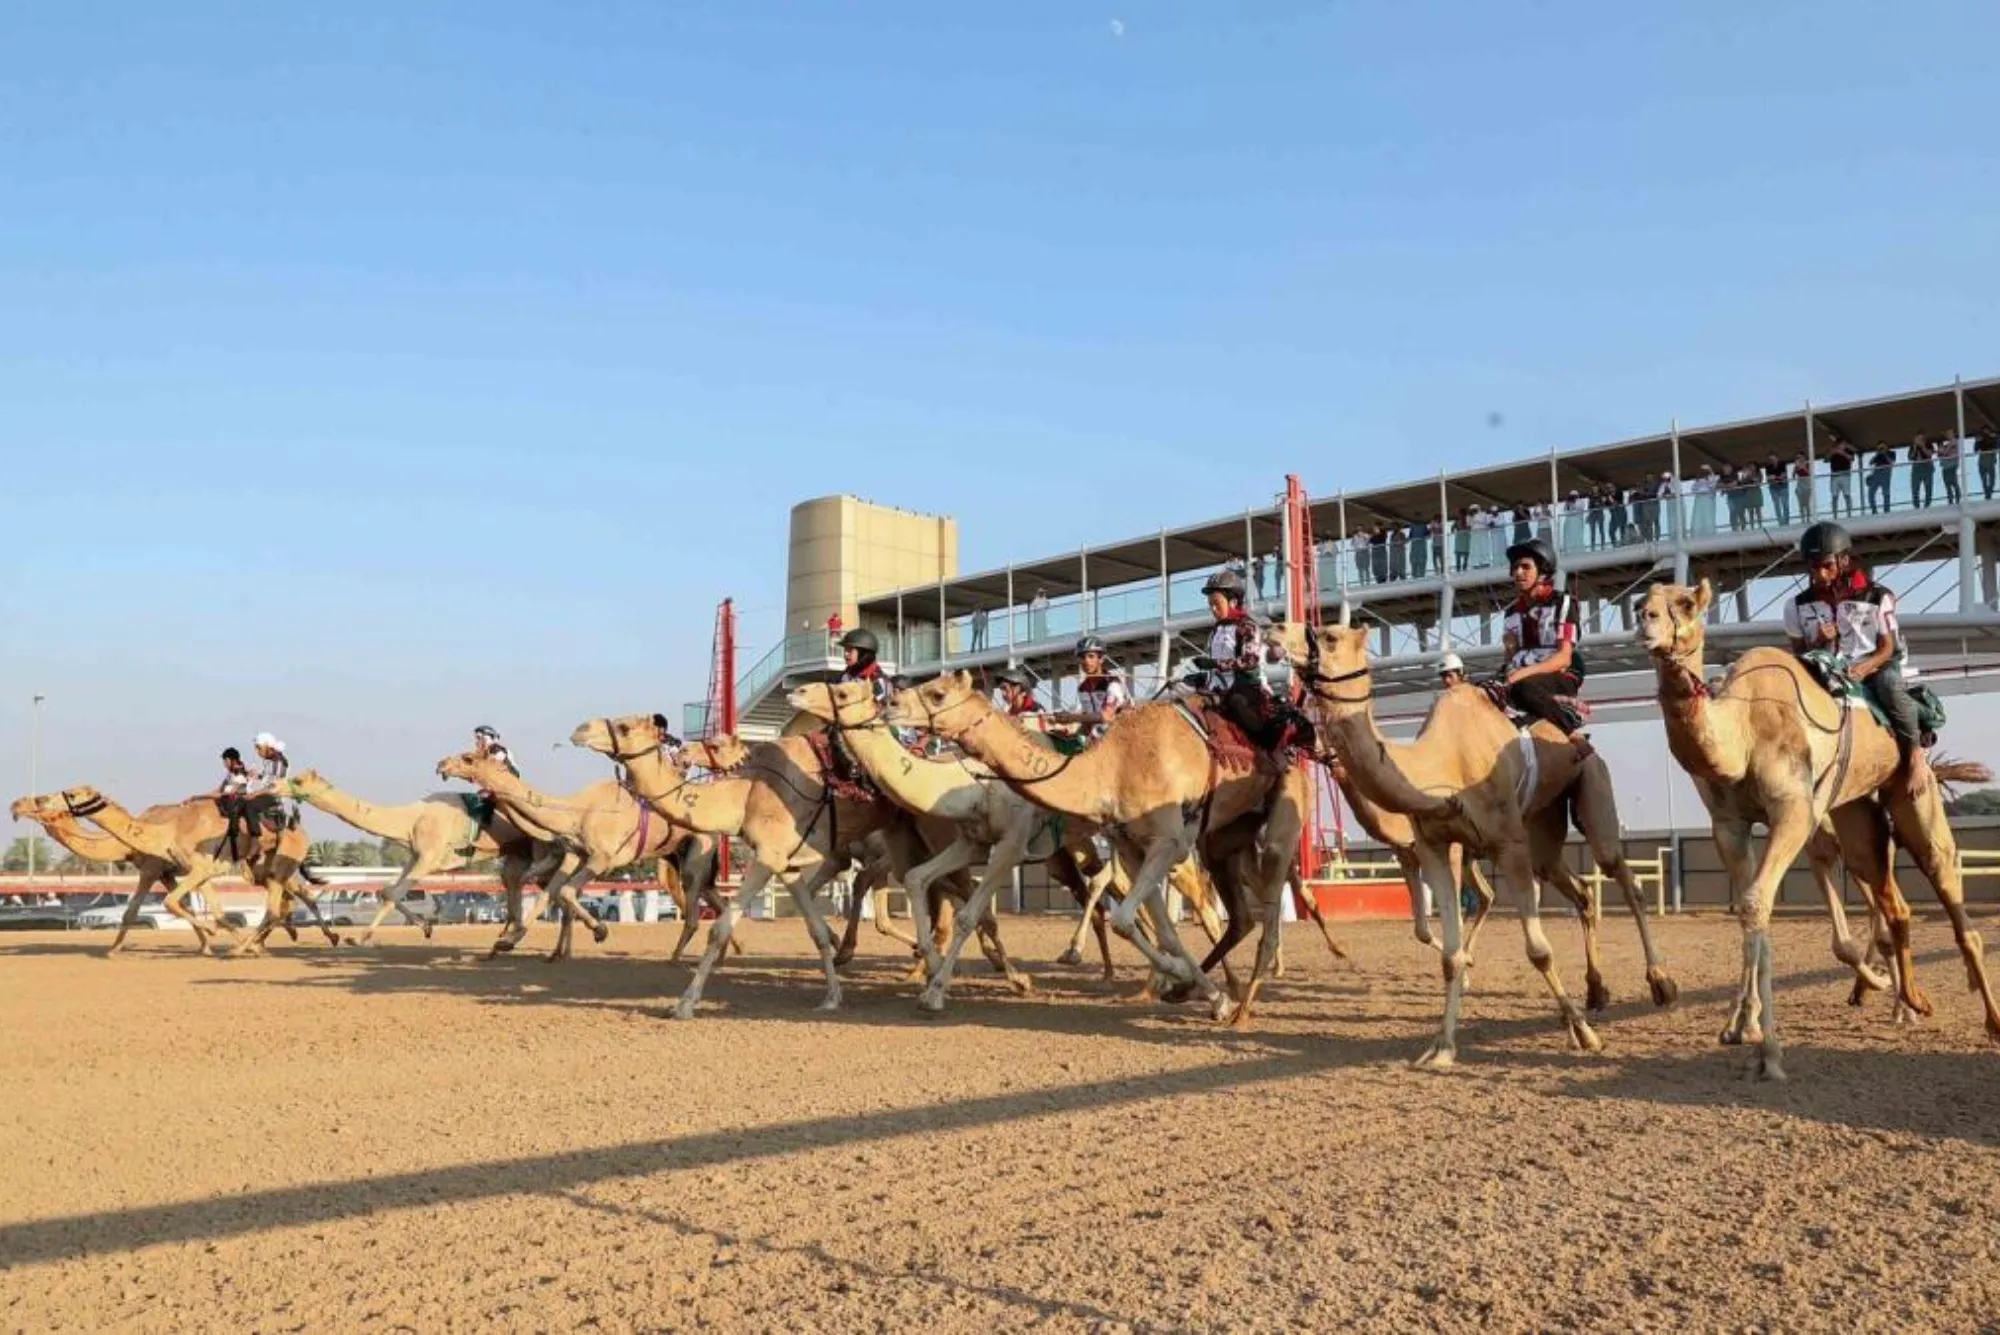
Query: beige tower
x,y
844,549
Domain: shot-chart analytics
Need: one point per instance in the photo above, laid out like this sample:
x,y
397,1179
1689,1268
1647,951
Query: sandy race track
x,y
408,1138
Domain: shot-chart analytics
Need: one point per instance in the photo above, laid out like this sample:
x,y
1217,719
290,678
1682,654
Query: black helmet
x,y
1225,582
862,640
1536,550
231,753
1015,676
487,730
1824,539
1089,644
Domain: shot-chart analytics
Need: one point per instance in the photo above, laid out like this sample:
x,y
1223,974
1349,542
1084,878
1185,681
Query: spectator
x,y
1438,527
1261,573
1752,478
1378,553
1358,544
1420,549
1840,477
1523,522
1544,528
1461,531
1948,464
1484,521
1987,448
1399,544
834,629
1646,511
1802,486
1703,488
1732,492
1668,493
1595,512
1038,615
1881,467
979,618
1573,510
1923,472
1777,482
1620,522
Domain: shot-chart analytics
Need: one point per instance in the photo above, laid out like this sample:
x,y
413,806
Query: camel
x,y
1156,785
604,827
1393,830
1759,747
994,823
799,823
1470,778
442,834
190,838
48,812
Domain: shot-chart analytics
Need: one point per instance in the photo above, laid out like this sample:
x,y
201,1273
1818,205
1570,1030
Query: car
x,y
35,917
463,906
151,916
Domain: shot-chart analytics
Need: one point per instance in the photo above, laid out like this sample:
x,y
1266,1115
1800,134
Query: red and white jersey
x,y
1861,612
1540,624
1237,646
1101,695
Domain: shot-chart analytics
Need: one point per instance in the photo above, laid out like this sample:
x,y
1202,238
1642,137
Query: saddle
x,y
1830,671
843,778
1495,689
1230,749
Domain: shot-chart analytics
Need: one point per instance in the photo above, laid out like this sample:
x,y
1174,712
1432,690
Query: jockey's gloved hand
x,y
1203,663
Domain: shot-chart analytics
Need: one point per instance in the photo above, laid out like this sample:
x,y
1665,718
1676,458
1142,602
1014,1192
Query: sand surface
x,y
410,1138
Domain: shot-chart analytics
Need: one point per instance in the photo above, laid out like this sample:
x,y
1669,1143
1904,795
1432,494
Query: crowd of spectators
x,y
1776,493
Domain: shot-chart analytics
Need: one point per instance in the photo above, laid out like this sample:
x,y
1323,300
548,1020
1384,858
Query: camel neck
x,y
382,822
715,807
1381,770
918,784
1073,785
526,805
121,825
90,847
1689,712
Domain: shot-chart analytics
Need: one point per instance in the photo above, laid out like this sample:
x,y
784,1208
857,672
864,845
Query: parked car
x,y
463,906
35,917
152,915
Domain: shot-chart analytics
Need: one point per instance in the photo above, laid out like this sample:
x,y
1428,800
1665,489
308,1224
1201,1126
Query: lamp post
x,y
34,772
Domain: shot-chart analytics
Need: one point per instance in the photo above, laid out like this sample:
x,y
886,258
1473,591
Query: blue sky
x,y
368,373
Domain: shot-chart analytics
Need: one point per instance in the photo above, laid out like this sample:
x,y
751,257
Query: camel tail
x,y
1951,771
309,876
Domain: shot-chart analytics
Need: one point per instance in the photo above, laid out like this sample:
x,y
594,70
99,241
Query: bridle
x,y
1315,679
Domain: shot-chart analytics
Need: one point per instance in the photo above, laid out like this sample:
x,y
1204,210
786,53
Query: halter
x,y
1314,678
90,806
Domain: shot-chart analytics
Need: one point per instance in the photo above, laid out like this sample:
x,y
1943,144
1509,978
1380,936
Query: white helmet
x,y
1451,663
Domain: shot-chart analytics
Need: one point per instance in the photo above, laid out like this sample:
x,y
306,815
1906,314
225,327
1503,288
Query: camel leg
x,y
1790,827
277,912
1924,829
1596,813
573,909
1823,853
1482,890
552,861
1733,845
803,886
686,907
176,904
1546,831
995,951
1001,860
843,954
1308,907
149,876
1436,871
1089,895
754,881
1517,872
1272,869
1170,957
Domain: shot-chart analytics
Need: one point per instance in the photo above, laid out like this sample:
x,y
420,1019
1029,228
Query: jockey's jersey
x,y
1237,646
872,674
1541,623
1860,611
500,755
1027,708
1096,695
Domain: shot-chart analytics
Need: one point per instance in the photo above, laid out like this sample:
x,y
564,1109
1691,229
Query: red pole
x,y
1302,608
726,651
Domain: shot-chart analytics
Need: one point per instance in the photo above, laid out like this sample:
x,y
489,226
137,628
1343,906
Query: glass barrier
x,y
694,720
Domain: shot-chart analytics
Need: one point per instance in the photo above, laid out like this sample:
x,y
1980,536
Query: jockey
x,y
1451,672
1844,611
487,744
1234,663
1100,691
1017,693
859,647
1544,668
273,767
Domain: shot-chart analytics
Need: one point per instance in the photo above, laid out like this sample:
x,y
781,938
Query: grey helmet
x,y
1225,582
861,640
1015,676
1089,644
1537,550
1824,539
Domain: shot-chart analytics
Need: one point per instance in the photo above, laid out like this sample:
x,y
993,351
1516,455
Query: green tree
x,y
1979,802
17,854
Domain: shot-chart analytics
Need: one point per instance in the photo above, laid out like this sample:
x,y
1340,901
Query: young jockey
x,y
1100,691
1451,672
1234,663
1017,693
1544,668
1844,611
486,741
859,647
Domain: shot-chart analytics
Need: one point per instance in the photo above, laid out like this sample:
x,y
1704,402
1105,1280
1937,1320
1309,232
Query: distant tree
x,y
324,852
391,854
17,854
1979,802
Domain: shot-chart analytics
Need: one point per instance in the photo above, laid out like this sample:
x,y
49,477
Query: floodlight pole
x,y
34,772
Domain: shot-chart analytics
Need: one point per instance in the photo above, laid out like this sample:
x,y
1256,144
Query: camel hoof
x,y
832,1003
1023,985
1597,997
429,926
1665,990
502,947
1222,1009
841,958
1110,975
1919,1001
1437,1057
1070,956
1771,1067
1993,1028
600,932
1177,993
1587,1039
684,1009
931,999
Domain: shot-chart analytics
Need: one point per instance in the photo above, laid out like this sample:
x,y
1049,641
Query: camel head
x,y
850,704
720,754
624,737
306,785
1332,660
43,808
1672,620
948,706
81,800
472,767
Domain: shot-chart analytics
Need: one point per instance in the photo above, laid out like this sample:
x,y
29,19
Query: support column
x,y
1010,614
1968,557
1964,446
1812,467
1679,531
1340,559
1987,573
902,644
1445,615
1742,604
1166,608
1086,612
944,646
1387,645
